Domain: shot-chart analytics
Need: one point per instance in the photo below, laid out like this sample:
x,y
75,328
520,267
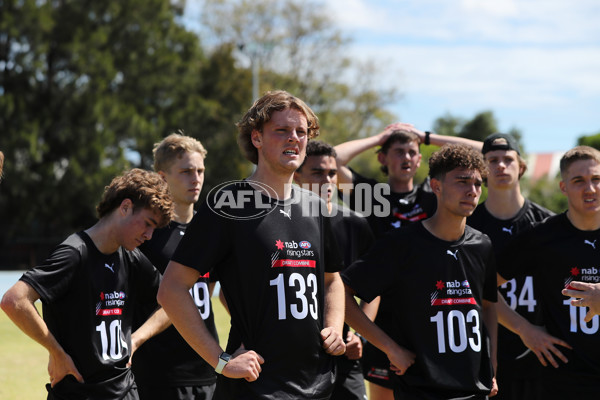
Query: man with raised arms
x,y
278,267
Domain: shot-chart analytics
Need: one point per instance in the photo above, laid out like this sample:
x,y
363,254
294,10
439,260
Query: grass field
x,y
24,363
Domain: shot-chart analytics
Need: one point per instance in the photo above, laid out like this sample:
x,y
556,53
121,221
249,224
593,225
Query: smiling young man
x,y
438,277
165,367
318,173
277,265
556,252
89,288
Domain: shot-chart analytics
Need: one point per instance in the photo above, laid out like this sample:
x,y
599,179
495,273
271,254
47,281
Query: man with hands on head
x,y
277,265
437,273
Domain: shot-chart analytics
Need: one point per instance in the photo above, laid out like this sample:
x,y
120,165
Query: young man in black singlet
x,y
166,367
557,252
277,264
89,288
439,274
318,173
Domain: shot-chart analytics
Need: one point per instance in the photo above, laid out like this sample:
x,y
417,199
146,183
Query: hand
x,y
494,387
586,295
353,346
543,344
401,359
333,342
61,365
385,134
244,364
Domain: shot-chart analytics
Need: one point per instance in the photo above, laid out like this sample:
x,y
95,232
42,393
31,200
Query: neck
x,y
279,182
446,227
504,204
183,213
584,222
102,234
400,186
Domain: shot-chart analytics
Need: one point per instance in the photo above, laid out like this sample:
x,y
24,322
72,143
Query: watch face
x,y
225,357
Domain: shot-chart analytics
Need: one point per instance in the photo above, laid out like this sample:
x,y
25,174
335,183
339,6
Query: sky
x,y
534,63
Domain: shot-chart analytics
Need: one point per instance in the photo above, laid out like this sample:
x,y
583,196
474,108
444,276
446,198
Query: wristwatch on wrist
x,y
223,360
427,139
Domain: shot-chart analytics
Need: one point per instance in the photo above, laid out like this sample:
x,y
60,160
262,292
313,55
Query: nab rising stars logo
x,y
452,293
591,274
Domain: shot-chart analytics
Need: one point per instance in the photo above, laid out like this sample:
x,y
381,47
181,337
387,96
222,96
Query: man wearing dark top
x,y
166,367
556,252
503,215
277,263
396,203
89,288
318,173
439,274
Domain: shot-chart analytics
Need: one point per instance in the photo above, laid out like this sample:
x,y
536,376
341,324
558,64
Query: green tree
x,y
86,88
590,140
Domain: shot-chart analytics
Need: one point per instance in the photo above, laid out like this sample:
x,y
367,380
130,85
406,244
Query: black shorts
x,y
177,392
349,382
376,366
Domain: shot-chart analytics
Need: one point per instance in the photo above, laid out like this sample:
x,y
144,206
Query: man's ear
x,y
125,207
436,185
381,157
563,187
256,138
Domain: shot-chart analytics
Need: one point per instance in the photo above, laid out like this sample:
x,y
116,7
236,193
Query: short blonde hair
x,y
576,154
261,112
174,147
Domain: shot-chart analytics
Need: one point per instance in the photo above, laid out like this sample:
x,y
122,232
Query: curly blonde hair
x,y
145,189
261,112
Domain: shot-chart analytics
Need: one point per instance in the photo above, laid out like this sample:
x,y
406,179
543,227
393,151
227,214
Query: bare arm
x,y
348,150
490,319
586,295
370,309
174,297
333,318
154,325
440,140
400,357
18,304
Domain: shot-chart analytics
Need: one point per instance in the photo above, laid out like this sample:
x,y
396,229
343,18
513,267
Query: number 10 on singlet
x,y
305,291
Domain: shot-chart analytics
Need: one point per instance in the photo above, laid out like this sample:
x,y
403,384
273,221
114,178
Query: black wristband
x,y
426,141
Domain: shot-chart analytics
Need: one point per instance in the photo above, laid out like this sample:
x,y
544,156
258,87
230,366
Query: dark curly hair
x,y
452,156
145,189
261,112
318,148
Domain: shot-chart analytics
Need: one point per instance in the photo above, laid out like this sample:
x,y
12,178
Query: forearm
x,y
490,319
158,322
348,150
370,309
508,317
440,140
18,304
357,319
174,297
334,302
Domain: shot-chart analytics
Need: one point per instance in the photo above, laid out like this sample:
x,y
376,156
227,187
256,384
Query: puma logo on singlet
x,y
593,244
396,224
452,254
287,214
110,267
509,230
